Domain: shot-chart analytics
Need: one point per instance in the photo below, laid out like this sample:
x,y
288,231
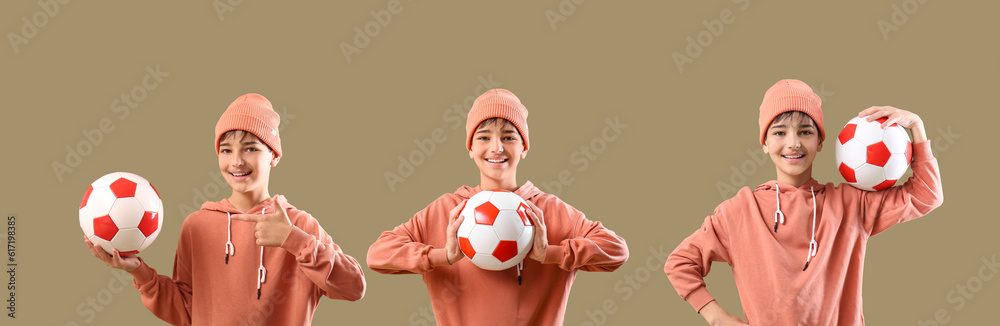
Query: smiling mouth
x,y
497,161
794,156
240,174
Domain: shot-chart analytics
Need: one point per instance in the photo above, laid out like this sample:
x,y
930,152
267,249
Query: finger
x,y
279,208
888,122
869,111
458,209
535,213
246,217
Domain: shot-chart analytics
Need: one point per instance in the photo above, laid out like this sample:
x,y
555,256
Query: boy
x,y
277,285
796,246
565,241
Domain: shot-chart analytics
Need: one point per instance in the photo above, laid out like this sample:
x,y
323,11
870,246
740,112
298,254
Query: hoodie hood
x,y
786,189
526,191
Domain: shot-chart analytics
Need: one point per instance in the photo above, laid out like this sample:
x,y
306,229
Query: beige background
x,y
347,124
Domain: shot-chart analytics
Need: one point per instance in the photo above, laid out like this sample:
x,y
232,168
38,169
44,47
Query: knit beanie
x,y
252,113
790,95
497,103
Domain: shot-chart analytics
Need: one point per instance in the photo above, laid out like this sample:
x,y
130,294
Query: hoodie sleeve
x,y
920,194
589,246
168,298
403,250
691,261
337,274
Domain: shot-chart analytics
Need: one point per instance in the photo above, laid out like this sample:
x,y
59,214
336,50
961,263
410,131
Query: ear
x,y
820,147
524,154
274,159
470,155
765,148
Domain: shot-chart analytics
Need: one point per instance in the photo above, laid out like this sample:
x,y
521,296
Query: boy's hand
x,y
126,263
716,316
451,244
541,239
270,230
905,119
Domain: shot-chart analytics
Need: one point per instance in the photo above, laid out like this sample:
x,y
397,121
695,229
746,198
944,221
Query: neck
x,y
796,180
245,201
509,184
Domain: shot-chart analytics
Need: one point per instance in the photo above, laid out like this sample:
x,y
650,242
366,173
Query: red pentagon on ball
x,y
105,228
149,222
878,154
848,173
884,185
505,250
86,196
123,188
486,213
847,133
466,246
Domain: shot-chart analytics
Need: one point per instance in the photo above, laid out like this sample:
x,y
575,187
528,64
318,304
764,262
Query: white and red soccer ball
x,y
871,158
121,211
497,232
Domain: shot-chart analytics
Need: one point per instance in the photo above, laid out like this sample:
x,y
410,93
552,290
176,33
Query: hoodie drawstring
x,y
230,249
520,266
778,215
813,245
261,271
777,211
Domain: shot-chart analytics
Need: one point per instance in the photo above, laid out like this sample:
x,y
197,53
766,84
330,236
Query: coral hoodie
x,y
211,287
776,286
463,294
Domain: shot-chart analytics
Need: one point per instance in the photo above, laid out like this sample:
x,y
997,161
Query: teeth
x,y
496,161
797,156
239,174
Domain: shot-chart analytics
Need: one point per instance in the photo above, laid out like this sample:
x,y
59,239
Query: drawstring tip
x,y
775,226
804,268
227,259
519,280
258,294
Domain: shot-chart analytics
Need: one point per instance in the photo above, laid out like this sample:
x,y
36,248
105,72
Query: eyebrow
x,y
800,126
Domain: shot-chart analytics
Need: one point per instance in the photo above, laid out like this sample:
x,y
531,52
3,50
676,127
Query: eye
x,y
225,151
807,132
510,138
779,133
251,149
483,138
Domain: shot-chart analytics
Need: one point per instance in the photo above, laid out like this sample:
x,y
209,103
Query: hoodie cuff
x,y
297,240
699,298
438,257
554,254
142,275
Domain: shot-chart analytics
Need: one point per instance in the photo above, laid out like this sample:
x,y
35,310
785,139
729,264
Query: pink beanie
x,y
790,95
252,113
497,103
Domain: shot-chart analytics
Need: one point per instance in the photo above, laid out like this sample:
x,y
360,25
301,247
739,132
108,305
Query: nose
x,y
497,146
238,159
795,142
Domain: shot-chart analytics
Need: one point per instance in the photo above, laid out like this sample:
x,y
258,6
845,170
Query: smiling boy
x,y
565,240
796,246
278,260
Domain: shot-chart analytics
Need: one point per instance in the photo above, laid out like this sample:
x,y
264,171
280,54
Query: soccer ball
x,y
497,232
121,211
871,158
